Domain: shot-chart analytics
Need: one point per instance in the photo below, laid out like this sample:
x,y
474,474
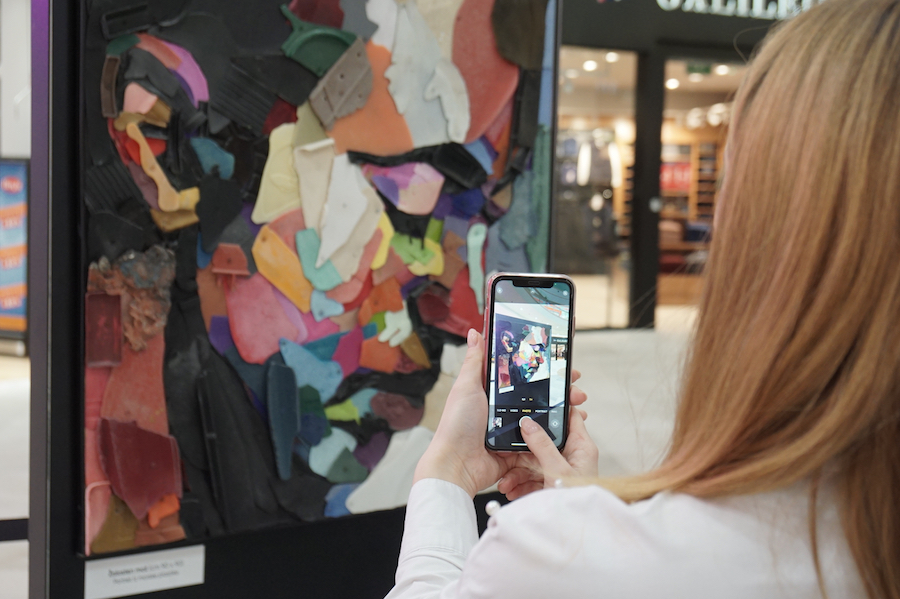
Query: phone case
x,y
539,280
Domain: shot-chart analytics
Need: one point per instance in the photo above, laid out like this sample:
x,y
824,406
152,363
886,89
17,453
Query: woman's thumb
x,y
472,366
541,446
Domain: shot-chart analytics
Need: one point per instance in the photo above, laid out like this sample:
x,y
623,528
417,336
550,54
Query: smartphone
x,y
529,321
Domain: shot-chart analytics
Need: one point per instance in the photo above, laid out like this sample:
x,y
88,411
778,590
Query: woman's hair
x,y
795,364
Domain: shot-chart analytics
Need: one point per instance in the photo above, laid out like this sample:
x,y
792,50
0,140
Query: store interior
x,y
595,177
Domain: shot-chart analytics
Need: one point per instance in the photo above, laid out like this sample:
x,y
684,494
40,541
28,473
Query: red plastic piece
x,y
434,305
281,113
490,79
464,314
320,12
102,329
95,381
142,466
397,410
157,146
135,389
348,351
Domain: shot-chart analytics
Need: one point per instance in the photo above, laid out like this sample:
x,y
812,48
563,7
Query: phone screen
x,y
528,370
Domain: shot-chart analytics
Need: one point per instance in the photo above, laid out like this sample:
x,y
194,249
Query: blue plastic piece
x,y
212,156
323,376
284,417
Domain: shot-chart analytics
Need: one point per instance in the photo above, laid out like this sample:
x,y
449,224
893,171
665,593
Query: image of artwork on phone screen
x,y
530,331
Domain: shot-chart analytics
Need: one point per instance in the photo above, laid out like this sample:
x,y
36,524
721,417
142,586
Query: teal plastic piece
x,y
314,46
121,44
212,156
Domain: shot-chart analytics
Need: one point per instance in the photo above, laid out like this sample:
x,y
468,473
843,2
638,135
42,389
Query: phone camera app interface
x,y
528,361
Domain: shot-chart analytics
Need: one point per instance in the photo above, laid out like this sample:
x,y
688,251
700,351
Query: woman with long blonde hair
x,y
783,474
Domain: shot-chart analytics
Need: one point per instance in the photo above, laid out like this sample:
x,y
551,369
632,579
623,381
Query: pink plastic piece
x,y
257,319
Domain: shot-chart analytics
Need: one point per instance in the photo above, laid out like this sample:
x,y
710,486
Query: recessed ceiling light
x,y
722,69
612,57
590,66
673,84
695,77
572,73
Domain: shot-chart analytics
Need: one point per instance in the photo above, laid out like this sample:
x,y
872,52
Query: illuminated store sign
x,y
755,9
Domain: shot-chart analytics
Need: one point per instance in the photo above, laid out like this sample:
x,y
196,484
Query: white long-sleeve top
x,y
584,542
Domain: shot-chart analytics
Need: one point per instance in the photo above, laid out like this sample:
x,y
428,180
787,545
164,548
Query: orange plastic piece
x,y
160,50
212,296
377,128
277,263
379,356
413,348
163,508
384,298
230,259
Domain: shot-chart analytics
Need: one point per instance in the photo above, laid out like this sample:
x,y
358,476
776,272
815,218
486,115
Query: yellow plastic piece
x,y
172,221
170,200
281,266
343,412
435,266
387,233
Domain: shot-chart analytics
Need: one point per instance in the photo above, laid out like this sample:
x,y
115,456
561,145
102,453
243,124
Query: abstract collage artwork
x,y
290,212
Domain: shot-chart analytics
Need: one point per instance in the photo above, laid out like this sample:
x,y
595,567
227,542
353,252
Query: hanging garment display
x,y
289,231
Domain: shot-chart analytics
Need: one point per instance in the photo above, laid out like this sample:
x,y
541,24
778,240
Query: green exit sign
x,y
702,68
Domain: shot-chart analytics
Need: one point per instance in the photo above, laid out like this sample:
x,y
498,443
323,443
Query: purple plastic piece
x,y
443,207
220,334
192,74
371,453
246,211
412,285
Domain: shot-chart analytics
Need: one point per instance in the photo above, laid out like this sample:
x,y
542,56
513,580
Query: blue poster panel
x,y
13,245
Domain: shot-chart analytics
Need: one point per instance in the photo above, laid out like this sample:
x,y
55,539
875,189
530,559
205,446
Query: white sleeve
x,y
439,532
518,556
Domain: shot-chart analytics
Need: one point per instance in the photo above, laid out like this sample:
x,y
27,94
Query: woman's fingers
x,y
524,489
518,476
576,374
577,396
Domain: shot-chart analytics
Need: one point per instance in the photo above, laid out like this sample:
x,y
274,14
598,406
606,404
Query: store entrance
x,y
697,112
595,158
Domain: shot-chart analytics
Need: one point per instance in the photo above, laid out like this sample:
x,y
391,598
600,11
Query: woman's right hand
x,y
545,464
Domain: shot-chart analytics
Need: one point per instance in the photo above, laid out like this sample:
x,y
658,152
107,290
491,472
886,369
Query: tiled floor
x,y
14,436
630,378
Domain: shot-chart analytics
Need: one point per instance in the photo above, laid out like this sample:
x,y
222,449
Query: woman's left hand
x,y
457,453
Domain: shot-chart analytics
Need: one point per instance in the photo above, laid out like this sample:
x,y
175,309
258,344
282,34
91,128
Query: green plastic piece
x,y
435,230
347,469
310,403
343,412
411,249
378,321
122,43
314,46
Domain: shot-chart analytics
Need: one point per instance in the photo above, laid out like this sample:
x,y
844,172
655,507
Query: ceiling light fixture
x,y
590,66
673,84
572,73
695,77
612,57
722,69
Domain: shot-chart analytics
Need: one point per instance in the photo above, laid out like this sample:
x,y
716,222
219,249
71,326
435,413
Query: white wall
x,y
15,78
